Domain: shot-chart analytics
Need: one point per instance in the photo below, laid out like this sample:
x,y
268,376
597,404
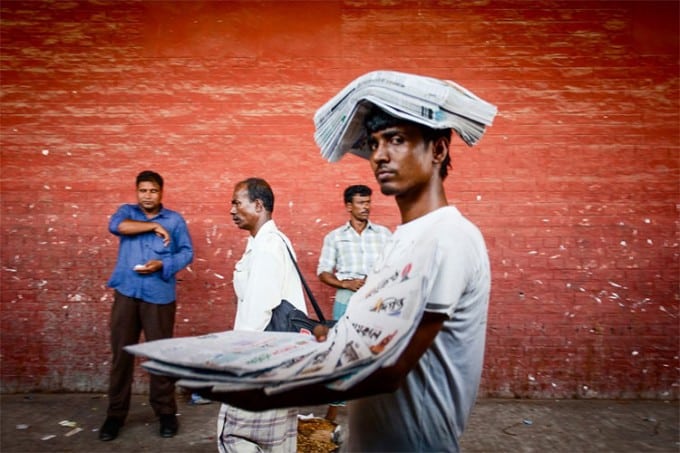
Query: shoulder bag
x,y
287,318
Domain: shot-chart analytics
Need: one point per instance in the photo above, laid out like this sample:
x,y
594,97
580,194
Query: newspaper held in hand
x,y
378,324
439,104
237,353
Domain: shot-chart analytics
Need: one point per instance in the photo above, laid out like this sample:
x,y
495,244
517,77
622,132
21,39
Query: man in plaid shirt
x,y
348,253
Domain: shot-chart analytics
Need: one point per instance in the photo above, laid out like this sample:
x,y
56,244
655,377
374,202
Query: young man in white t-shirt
x,y
422,401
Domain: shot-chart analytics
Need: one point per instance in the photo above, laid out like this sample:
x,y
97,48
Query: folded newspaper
x,y
379,321
435,103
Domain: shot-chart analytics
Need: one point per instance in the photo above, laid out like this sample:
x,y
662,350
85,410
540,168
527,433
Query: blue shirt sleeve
x,y
123,213
183,252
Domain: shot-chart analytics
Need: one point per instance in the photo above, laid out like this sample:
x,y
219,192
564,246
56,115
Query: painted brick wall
x,y
575,186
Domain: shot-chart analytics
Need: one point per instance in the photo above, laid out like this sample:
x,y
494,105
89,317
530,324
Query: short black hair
x,y
357,189
150,176
259,189
378,119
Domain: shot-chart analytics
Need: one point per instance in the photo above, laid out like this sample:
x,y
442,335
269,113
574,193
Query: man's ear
x,y
440,149
348,207
259,206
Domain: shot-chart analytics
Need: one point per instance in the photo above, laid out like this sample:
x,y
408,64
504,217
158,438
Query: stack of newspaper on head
x,y
376,328
439,104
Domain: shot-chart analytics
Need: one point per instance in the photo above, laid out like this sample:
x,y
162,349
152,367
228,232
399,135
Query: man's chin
x,y
388,190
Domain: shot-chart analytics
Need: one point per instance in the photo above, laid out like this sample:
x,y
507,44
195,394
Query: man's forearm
x,y
131,227
331,280
381,381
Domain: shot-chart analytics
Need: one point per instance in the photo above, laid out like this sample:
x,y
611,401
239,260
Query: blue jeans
x,y
342,297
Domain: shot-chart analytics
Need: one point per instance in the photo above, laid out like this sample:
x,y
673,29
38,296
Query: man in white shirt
x,y
263,276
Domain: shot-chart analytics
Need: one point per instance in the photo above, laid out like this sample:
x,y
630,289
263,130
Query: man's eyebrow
x,y
391,130
389,133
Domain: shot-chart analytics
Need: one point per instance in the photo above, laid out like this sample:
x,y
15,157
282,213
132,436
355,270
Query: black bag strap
x,y
317,309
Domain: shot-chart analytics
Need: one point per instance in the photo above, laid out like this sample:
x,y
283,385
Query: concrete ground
x,y
69,423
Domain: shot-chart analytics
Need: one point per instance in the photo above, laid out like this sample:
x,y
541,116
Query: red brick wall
x,y
575,186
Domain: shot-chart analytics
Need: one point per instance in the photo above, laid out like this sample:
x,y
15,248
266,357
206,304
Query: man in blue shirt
x,y
154,246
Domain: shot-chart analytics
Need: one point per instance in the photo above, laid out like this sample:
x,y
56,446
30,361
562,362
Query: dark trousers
x,y
129,317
